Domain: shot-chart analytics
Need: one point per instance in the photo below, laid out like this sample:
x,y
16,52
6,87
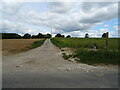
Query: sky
x,y
67,18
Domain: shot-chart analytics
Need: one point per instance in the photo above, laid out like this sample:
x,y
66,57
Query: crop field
x,y
83,49
12,46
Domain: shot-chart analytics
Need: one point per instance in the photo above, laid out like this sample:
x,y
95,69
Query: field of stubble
x,y
12,46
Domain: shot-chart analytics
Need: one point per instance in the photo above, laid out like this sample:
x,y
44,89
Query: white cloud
x,y
10,7
61,7
106,25
116,27
63,17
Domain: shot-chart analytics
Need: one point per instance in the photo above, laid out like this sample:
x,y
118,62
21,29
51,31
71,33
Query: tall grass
x,y
97,57
85,42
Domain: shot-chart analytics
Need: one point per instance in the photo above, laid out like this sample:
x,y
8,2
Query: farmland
x,y
83,49
12,46
85,43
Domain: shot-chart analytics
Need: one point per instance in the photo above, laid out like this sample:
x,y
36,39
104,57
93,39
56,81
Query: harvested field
x,y
12,46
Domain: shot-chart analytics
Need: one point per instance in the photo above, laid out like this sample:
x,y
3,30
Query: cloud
x,y
63,17
11,27
61,7
62,20
116,27
88,7
10,7
99,13
106,25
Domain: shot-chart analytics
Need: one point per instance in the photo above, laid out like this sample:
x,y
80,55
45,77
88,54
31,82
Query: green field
x,y
83,48
85,43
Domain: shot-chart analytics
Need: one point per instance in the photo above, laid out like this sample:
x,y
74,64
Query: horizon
x,y
55,35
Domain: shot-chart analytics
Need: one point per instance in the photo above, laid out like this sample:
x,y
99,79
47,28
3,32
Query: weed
x,y
66,57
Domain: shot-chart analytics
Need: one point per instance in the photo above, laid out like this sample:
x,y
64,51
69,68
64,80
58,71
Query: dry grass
x,y
12,46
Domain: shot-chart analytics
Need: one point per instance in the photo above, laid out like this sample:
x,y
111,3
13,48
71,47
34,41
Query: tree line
x,y
40,35
86,35
25,36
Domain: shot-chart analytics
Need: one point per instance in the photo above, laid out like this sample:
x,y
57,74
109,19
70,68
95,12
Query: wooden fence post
x,y
106,40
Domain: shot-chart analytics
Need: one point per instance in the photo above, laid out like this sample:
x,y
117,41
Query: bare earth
x,y
48,58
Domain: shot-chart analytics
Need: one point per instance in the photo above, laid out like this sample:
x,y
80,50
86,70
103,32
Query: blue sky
x,y
68,18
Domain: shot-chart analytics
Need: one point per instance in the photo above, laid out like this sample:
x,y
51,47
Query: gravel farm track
x,y
44,67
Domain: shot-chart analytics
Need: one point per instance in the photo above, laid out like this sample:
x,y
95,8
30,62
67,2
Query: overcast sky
x,y
68,18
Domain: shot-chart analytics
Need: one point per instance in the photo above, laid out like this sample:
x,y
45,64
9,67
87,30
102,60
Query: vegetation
x,y
59,35
97,57
25,36
68,36
84,49
10,36
37,44
66,56
104,35
86,35
85,43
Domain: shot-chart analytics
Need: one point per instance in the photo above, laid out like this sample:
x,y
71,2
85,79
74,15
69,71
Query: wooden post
x,y
106,40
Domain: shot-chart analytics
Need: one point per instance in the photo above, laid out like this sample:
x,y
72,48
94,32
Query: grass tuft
x,y
66,57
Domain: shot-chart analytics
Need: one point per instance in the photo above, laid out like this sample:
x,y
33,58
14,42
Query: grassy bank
x,y
37,44
85,54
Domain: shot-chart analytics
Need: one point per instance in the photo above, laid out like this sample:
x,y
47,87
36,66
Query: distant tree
x,y
40,35
86,35
104,35
26,36
10,36
47,36
68,36
58,35
34,36
63,36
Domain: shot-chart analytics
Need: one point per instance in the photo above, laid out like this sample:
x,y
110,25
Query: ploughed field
x,y
12,46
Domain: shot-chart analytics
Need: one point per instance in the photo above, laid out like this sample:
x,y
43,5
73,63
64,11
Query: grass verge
x,y
36,44
97,57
